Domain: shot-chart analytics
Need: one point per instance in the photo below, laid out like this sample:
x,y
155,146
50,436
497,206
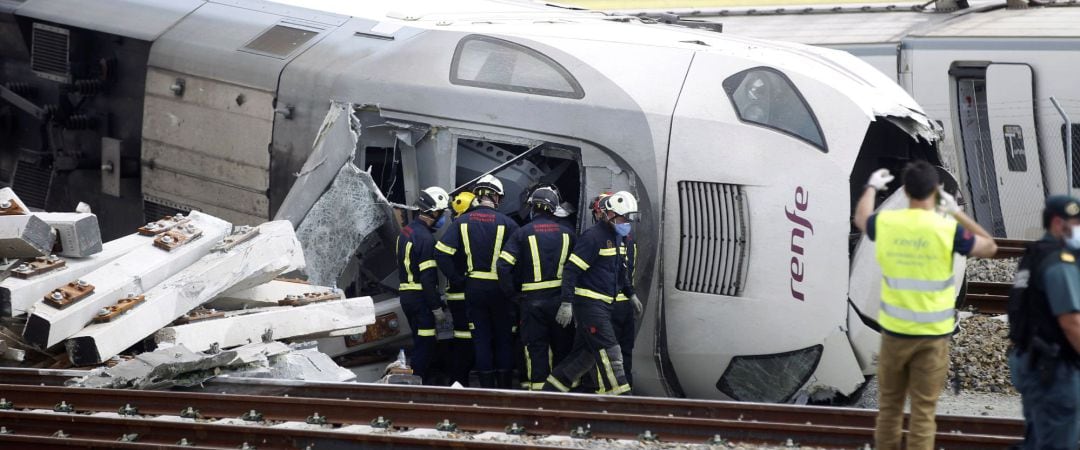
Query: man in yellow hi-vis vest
x,y
915,249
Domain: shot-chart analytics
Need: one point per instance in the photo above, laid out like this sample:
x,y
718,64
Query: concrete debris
x,y
131,274
78,234
24,236
333,147
978,356
307,364
273,251
263,324
18,295
265,295
11,204
11,354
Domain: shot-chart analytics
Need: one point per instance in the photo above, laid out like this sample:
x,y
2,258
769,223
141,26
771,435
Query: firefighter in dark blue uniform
x,y
594,276
478,236
418,279
532,261
455,300
1044,326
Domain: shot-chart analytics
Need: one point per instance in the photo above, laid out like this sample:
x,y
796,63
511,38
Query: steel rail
x,y
1010,248
471,417
667,407
58,443
221,435
987,297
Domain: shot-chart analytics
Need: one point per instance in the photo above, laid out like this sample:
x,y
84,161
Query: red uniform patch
x,y
592,330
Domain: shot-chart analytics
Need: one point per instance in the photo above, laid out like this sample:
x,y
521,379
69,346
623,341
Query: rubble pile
x,y
978,358
206,294
992,270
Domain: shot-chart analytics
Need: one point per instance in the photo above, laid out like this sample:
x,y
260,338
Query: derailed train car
x,y
745,154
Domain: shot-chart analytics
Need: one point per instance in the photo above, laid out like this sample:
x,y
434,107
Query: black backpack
x,y
1028,307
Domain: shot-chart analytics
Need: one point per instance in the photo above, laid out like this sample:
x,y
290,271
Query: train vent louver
x,y
49,53
714,240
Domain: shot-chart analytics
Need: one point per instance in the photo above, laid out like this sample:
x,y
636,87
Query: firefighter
x,y
455,300
532,261
418,280
467,254
595,274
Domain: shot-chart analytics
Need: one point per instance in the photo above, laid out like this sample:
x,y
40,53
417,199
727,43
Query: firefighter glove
x,y
637,306
565,314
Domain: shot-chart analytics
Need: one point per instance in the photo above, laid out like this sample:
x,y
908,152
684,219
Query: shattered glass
x,y
769,378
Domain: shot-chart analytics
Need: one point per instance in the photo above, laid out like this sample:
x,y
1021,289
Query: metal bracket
x,y
173,239
198,315
38,266
165,224
239,236
108,313
68,294
11,208
309,298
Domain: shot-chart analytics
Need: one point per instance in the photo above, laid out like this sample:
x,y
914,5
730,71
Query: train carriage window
x,y
491,63
1014,148
766,97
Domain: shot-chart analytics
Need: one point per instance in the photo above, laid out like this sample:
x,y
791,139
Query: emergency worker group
x,y
914,247
536,303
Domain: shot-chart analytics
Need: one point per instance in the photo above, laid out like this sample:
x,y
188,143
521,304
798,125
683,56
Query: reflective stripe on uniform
x,y
620,390
535,250
429,264
916,316
484,275
607,368
541,285
599,381
506,256
558,385
908,284
454,296
562,256
607,251
468,248
536,386
462,334
579,262
621,297
425,332
410,287
445,248
528,364
408,270
472,326
493,274
592,294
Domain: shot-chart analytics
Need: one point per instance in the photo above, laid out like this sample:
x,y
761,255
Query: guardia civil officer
x,y
1044,326
915,248
418,279
532,262
462,361
595,274
478,236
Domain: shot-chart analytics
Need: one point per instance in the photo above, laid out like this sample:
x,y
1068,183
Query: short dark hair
x,y
920,180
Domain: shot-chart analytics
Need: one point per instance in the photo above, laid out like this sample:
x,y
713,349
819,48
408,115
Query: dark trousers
x,y
546,342
490,313
462,344
595,348
422,323
1051,409
622,319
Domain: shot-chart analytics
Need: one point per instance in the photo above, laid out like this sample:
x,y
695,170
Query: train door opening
x,y
1011,116
978,153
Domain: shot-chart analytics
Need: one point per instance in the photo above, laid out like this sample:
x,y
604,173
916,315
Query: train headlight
x,y
771,378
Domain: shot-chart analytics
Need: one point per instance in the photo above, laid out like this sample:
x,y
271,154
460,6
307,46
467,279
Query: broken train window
x,y
765,96
490,63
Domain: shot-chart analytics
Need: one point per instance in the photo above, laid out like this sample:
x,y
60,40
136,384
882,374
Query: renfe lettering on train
x,y
799,229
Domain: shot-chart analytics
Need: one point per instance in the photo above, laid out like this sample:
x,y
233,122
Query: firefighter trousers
x,y
462,345
490,313
546,342
422,323
595,348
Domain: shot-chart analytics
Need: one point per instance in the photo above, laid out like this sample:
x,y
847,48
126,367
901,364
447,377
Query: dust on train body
x,y
740,150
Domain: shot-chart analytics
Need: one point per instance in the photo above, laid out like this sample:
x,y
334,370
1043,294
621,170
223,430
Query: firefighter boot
x,y
504,379
487,379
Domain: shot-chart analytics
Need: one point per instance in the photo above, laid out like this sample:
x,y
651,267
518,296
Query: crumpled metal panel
x,y
351,211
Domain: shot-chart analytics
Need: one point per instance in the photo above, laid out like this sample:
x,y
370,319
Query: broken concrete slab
x,y
265,295
306,364
271,252
17,295
24,236
11,204
131,274
165,367
334,144
78,233
350,212
271,323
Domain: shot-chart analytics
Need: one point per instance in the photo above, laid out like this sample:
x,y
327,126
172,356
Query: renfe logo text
x,y
800,226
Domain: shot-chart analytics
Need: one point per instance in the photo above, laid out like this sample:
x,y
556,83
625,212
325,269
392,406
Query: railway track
x,y
1010,248
987,297
690,421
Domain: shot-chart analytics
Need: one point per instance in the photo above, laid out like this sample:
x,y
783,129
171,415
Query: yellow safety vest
x,y
918,292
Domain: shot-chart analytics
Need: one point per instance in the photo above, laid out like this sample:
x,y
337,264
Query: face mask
x,y
1073,241
622,229
442,221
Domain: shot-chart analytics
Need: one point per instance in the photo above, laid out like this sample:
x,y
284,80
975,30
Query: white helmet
x,y
433,199
621,203
488,184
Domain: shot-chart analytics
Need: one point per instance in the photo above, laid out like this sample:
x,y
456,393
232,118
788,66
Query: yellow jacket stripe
x,y
589,293
558,385
455,296
506,256
445,248
462,334
429,264
535,250
562,256
541,285
579,262
426,332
